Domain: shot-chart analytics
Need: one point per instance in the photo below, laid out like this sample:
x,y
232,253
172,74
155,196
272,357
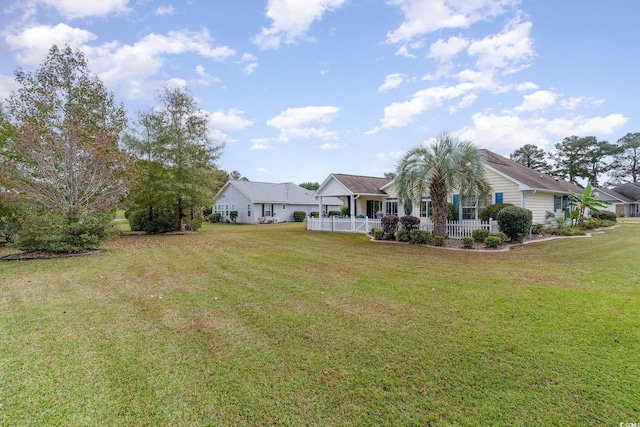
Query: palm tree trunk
x,y
438,191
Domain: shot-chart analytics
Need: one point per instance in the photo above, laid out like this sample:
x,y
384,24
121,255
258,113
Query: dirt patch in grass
x,y
46,255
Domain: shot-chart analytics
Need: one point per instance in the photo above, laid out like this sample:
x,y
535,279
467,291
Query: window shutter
x,y
456,199
498,198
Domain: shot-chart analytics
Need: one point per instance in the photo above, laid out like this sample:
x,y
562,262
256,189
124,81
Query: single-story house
x,y
258,202
510,182
624,199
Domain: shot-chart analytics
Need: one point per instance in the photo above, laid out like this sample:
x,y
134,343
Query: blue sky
x,y
300,89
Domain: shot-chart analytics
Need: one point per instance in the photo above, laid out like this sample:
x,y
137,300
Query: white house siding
x,y
235,200
539,203
509,189
333,188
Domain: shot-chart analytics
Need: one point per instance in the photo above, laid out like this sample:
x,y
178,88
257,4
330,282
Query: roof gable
x,y
527,177
359,184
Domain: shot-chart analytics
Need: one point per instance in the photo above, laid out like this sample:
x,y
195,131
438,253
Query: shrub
x,y
299,216
410,223
480,234
233,215
314,214
421,237
438,241
402,235
126,214
162,221
333,213
207,211
500,236
344,211
605,223
193,221
467,242
606,215
378,233
53,232
537,229
390,226
515,222
491,211
492,242
215,217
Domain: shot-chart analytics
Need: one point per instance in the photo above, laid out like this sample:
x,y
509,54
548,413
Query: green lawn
x,y
257,325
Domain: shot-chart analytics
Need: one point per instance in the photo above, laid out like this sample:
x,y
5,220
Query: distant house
x,y
258,202
510,182
624,199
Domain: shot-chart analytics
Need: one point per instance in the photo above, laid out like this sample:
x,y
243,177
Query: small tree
x,y
583,202
62,157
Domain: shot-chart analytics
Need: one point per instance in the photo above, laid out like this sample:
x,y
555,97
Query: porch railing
x,y
455,229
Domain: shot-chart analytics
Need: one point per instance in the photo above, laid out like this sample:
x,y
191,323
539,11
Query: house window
x,y
226,210
233,207
249,209
284,207
267,209
391,207
469,208
425,208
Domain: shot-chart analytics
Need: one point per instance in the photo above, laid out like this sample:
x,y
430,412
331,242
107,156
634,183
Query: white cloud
x,y
176,82
392,81
537,101
295,117
71,9
33,43
291,19
404,51
444,51
509,132
571,103
293,122
527,86
505,50
165,10
381,156
260,144
330,146
229,120
422,17
205,78
262,171
221,137
250,63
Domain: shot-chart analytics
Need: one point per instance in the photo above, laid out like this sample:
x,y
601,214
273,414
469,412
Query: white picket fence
x,y
455,229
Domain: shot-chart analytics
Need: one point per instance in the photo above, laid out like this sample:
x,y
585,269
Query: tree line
x,y
585,159
69,158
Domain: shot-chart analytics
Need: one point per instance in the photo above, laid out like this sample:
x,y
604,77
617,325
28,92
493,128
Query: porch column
x,y
352,210
320,214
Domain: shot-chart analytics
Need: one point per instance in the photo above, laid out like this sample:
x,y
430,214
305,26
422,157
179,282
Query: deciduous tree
x,y
64,148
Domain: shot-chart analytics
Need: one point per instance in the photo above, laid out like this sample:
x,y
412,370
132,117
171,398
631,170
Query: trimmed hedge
x,y
390,226
299,216
421,237
515,222
480,234
491,211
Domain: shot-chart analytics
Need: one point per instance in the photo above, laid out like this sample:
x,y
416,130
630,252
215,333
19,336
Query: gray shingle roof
x,y
286,193
527,176
630,190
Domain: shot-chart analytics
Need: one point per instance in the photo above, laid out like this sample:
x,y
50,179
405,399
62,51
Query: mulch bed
x,y
46,255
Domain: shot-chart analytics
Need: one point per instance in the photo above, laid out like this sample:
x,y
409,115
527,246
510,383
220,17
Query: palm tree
x,y
446,165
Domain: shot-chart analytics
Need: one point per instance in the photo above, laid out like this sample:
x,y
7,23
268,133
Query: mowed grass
x,y
257,325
